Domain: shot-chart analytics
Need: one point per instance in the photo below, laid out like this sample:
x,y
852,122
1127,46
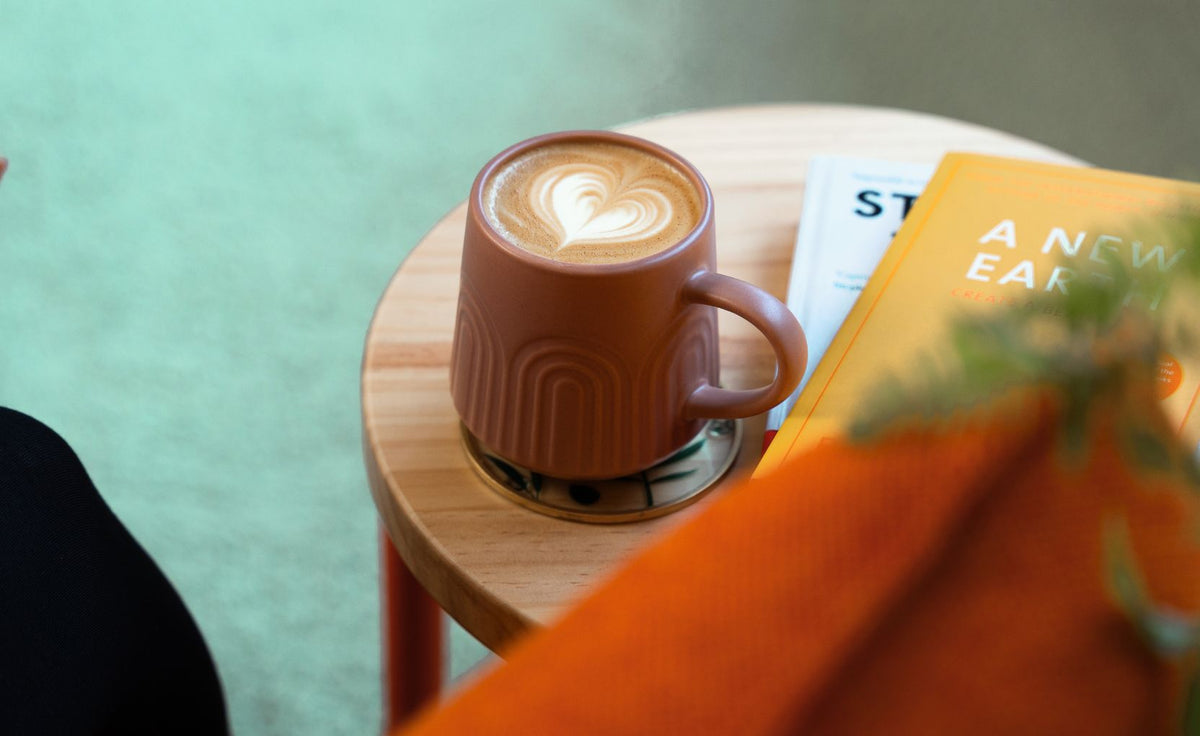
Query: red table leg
x,y
412,639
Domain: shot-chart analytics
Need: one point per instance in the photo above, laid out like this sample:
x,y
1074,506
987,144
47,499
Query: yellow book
x,y
991,233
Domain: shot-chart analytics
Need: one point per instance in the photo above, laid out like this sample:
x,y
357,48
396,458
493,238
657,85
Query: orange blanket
x,y
938,581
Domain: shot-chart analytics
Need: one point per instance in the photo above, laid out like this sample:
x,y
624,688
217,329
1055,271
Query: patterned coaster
x,y
668,486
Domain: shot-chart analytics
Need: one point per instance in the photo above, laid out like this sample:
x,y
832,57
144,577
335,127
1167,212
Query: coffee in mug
x,y
591,202
585,342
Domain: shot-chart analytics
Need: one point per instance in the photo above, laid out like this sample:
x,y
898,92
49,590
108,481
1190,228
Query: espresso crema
x,y
591,202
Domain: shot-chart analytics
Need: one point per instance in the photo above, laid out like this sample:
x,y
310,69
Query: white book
x,y
852,208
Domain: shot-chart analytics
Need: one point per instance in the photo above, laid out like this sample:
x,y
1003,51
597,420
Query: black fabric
x,y
93,638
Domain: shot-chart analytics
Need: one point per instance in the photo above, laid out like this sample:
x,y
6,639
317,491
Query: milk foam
x,y
591,202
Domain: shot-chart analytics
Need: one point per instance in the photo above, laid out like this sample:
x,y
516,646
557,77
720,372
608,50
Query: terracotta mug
x,y
591,370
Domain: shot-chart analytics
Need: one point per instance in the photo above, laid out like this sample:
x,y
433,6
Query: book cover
x,y
991,233
852,208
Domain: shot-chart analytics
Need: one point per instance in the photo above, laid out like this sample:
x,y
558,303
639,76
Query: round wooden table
x,y
501,569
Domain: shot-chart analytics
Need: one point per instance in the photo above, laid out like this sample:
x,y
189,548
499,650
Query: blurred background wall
x,y
205,200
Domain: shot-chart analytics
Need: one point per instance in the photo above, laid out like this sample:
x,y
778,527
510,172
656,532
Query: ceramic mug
x,y
593,369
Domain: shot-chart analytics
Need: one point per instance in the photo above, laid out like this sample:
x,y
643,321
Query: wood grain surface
x,y
496,567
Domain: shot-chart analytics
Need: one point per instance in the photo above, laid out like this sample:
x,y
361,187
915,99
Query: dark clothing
x,y
93,638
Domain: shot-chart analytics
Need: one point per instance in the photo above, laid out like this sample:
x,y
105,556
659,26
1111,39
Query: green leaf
x,y
1148,449
1168,633
1191,708
645,478
1123,579
1191,472
674,476
1075,417
683,454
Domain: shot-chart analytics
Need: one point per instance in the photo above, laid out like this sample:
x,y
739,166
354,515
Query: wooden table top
x,y
497,567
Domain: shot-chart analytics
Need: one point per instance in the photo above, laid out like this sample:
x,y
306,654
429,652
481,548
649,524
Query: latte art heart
x,y
584,204
591,202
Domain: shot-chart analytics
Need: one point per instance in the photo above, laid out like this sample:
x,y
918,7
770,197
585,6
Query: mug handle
x,y
777,324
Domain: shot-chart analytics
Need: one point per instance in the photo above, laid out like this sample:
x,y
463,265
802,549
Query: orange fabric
x,y
939,581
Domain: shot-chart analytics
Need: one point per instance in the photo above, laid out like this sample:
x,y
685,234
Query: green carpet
x,y
205,201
